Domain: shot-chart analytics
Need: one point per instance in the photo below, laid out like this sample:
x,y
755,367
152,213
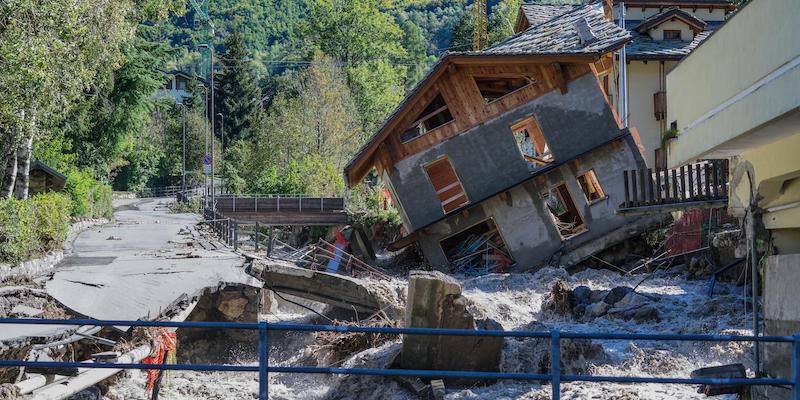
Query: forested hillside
x,y
299,86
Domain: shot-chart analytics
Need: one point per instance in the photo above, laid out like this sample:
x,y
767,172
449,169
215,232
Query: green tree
x,y
239,92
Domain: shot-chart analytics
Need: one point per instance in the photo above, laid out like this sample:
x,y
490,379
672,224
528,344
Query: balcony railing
x,y
703,184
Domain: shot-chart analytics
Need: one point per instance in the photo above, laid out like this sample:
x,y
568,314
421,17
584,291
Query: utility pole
x,y
183,163
211,51
222,141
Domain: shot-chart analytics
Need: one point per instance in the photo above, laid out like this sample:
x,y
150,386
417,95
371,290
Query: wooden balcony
x,y
700,185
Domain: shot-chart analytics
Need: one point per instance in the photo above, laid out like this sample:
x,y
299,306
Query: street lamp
x,y
183,163
211,72
222,140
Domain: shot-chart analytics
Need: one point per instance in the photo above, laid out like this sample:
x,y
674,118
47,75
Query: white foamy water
x,y
515,301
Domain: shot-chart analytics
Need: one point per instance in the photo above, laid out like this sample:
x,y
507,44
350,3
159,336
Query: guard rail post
x,y
795,368
235,235
555,363
263,361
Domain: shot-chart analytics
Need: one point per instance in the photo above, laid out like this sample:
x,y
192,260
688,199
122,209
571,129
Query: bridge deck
x,y
282,210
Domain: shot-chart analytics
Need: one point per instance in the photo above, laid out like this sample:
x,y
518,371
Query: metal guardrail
x,y
555,377
280,203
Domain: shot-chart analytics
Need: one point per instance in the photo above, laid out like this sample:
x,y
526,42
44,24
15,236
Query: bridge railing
x,y
555,377
280,203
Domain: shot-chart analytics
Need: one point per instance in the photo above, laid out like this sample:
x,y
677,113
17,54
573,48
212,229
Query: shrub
x,y
33,226
17,231
51,211
90,198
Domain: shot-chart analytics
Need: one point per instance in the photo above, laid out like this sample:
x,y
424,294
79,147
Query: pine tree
x,y
239,92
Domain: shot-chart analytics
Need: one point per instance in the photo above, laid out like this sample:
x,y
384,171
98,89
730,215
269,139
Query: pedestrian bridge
x,y
279,209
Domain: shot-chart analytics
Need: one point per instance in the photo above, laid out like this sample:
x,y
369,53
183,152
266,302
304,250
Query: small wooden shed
x,y
44,178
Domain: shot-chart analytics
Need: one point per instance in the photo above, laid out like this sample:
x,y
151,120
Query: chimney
x,y
585,32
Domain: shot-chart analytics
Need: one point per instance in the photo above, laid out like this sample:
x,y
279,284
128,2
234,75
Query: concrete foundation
x,y
781,317
435,301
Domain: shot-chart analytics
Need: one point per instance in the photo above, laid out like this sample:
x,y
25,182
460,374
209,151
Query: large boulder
x,y
616,294
435,301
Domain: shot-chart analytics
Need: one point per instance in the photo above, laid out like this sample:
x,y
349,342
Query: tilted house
x,y
510,155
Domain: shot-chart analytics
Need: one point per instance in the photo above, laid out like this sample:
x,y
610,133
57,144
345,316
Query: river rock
x,y
231,304
597,309
639,313
616,294
582,294
631,299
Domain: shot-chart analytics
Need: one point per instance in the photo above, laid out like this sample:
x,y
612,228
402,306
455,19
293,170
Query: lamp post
x,y
183,162
211,72
222,141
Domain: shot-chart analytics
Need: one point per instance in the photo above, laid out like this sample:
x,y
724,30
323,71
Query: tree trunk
x,y
10,176
23,168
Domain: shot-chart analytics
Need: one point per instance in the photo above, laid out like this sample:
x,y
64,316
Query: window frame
x,y
420,121
596,183
531,82
672,31
532,126
579,229
445,158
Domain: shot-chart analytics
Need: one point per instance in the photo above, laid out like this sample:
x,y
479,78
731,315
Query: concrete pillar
x,y
435,301
781,317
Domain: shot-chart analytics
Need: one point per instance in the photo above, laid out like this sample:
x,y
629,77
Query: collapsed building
x,y
510,157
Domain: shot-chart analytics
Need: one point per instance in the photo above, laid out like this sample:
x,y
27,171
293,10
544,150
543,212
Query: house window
x,y
433,116
477,248
672,34
181,83
494,88
531,143
591,187
445,181
564,214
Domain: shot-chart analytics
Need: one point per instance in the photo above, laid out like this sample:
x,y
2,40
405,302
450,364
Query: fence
x,y
555,377
701,182
279,203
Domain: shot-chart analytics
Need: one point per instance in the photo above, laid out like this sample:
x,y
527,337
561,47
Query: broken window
x,y
433,116
670,34
493,88
477,250
591,187
445,182
531,143
563,211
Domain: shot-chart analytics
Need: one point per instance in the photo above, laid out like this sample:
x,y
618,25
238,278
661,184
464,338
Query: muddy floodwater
x,y
515,301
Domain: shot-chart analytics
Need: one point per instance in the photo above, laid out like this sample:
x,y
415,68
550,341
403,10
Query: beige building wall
x,y
644,80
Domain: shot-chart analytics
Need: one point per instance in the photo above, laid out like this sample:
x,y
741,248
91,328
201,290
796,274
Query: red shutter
x,y
445,182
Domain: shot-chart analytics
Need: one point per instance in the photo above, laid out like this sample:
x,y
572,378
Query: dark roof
x,y
48,169
555,37
539,13
643,47
559,35
674,12
669,3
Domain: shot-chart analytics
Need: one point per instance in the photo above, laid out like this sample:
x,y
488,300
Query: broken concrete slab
x,y
435,301
362,295
139,277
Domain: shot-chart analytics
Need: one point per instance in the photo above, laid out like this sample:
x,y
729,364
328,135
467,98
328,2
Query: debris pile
x,y
479,255
332,348
585,304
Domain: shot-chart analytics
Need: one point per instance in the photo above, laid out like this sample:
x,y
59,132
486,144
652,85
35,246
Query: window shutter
x,y
445,182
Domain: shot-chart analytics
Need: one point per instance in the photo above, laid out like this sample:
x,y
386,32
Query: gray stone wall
x,y
486,157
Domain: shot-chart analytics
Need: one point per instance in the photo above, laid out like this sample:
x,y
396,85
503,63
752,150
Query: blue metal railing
x,y
554,377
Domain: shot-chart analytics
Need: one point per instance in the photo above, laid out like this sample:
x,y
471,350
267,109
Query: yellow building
x,y
737,96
